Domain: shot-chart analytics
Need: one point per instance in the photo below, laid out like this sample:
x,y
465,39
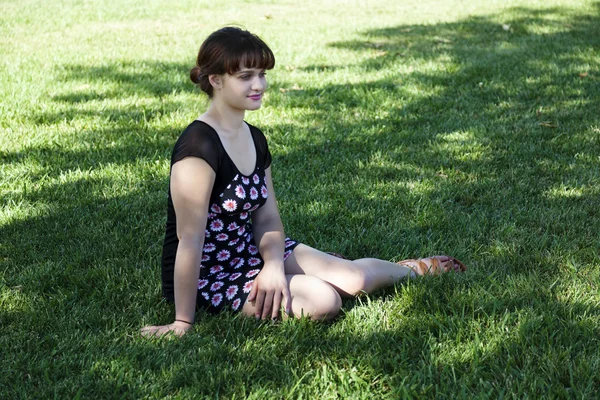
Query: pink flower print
x,y
202,283
211,215
242,230
247,206
216,209
263,192
232,226
244,215
247,286
216,225
207,234
254,208
289,243
240,192
240,247
222,275
205,295
253,261
253,249
231,291
208,247
233,277
233,242
205,258
216,268
230,205
286,254
253,193
216,286
245,180
252,273
216,300
239,264
221,237
236,304
223,255
235,178
255,179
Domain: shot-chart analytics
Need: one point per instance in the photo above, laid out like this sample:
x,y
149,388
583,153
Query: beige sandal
x,y
434,265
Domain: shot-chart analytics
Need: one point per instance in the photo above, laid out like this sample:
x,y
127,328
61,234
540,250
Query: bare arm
x,y
270,286
192,180
268,228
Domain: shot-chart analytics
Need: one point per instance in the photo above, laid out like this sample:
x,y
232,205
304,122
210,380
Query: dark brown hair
x,y
224,51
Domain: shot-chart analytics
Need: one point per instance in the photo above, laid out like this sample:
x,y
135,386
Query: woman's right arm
x,y
192,180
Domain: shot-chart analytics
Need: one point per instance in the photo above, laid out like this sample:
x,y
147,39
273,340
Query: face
x,y
243,90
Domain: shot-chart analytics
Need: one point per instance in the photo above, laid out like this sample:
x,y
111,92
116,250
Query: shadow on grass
x,y
511,188
506,112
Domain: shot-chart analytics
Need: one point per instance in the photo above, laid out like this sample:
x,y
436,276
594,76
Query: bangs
x,y
248,52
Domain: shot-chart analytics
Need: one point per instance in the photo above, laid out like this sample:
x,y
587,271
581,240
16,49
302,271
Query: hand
x,y
269,291
177,328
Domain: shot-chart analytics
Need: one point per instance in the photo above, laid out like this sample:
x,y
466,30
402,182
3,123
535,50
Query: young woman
x,y
224,246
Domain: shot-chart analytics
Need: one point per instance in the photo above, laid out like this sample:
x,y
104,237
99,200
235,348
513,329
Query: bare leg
x,y
349,278
381,273
311,297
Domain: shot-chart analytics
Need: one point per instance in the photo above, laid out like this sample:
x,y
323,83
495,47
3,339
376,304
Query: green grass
x,y
397,130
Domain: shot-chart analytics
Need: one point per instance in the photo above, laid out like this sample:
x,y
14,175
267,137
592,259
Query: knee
x,y
329,304
356,280
316,299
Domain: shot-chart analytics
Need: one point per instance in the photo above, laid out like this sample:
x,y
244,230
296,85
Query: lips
x,y
255,96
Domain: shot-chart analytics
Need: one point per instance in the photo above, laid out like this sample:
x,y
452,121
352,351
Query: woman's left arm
x,y
270,288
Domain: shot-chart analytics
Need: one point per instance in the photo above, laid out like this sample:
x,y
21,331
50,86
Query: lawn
x,y
398,129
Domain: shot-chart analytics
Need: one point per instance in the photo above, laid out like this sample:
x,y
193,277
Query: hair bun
x,y
195,74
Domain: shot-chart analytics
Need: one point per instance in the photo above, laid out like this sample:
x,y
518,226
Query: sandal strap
x,y
435,266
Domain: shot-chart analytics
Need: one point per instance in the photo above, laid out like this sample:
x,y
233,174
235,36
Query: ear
x,y
216,81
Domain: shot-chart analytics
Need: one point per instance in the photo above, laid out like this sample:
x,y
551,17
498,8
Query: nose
x,y
259,83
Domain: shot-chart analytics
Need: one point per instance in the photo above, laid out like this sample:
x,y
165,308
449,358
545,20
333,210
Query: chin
x,y
253,107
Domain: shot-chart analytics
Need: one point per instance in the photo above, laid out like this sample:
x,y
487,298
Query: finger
x,y
260,298
179,332
253,291
276,305
145,332
268,305
287,301
148,331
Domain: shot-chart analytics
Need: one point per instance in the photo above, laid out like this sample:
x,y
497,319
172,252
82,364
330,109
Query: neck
x,y
228,118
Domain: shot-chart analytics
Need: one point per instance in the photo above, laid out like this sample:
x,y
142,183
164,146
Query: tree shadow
x,y
471,142
517,101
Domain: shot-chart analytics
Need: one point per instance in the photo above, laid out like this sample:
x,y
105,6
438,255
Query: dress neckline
x,y
227,154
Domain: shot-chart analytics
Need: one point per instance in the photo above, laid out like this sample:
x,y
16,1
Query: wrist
x,y
183,324
274,265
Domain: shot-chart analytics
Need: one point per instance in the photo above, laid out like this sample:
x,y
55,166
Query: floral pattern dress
x,y
230,258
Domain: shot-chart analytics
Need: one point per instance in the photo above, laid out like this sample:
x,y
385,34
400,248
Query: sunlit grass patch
x,y
397,130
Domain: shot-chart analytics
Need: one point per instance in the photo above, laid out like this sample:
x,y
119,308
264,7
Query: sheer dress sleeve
x,y
197,141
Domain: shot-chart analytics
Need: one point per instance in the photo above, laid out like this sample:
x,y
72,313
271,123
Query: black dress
x,y
230,258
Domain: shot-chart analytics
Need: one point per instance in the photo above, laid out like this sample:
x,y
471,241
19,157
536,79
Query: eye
x,y
262,74
245,77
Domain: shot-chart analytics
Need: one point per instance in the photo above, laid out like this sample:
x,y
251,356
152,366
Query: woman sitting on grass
x,y
224,246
